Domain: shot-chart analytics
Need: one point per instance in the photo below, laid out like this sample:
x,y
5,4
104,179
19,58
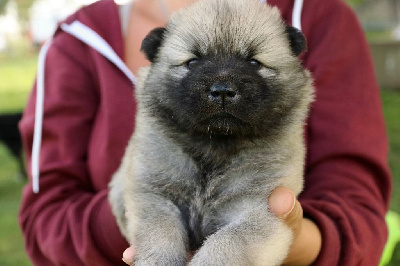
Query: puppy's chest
x,y
205,189
200,208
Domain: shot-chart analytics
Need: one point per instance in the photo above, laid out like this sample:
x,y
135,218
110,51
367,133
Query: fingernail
x,y
128,255
294,205
282,201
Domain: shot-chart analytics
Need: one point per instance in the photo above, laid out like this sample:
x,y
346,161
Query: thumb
x,y
128,255
285,206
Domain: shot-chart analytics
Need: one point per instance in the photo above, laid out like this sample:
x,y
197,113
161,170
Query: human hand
x,y
307,236
128,255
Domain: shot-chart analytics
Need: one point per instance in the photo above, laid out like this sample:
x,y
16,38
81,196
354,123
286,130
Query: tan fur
x,y
160,174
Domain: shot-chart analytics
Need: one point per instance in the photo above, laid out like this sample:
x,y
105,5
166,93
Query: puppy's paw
x,y
160,259
219,253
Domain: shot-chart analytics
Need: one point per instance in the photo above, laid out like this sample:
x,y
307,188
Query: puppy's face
x,y
226,68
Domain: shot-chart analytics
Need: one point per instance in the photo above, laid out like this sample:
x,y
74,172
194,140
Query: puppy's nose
x,y
223,93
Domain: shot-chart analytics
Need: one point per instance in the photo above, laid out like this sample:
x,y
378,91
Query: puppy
x,y
219,125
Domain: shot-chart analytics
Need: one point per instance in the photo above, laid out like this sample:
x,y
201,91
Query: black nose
x,y
223,93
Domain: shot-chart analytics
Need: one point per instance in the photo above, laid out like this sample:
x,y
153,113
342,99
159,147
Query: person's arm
x,y
68,222
347,181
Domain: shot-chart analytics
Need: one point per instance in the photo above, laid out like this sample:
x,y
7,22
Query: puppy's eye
x,y
255,63
192,63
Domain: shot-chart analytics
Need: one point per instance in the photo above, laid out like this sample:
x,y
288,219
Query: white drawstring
x,y
94,40
37,134
296,15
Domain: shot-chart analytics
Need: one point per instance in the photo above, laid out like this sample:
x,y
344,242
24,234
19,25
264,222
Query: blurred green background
x,y
18,58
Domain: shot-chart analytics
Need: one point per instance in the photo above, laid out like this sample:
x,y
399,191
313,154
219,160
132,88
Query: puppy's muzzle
x,y
223,93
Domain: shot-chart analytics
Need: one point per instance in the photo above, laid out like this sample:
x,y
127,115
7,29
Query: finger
x,y
294,219
128,255
284,205
281,202
307,237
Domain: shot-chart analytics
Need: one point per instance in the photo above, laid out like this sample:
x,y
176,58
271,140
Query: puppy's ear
x,y
152,43
297,40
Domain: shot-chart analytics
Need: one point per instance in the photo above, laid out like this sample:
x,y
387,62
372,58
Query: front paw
x,y
153,259
219,255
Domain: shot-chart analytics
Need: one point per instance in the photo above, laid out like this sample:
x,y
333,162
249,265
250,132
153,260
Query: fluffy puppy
x,y
219,125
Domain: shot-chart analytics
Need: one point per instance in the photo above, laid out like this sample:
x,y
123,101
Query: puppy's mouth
x,y
222,124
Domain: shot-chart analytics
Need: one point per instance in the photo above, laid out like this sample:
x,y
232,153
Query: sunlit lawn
x,y
11,245
16,77
391,108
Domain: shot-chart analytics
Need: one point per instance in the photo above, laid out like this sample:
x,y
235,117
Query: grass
x,y
379,36
391,109
16,76
11,245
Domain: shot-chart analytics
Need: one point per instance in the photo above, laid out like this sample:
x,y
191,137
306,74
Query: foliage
x,y
391,256
23,7
11,243
3,4
16,75
354,2
391,109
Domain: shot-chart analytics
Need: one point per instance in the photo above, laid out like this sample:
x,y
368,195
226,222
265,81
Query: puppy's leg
x,y
258,238
115,197
159,235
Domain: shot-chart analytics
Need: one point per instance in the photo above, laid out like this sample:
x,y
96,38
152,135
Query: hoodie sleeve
x,y
347,183
68,222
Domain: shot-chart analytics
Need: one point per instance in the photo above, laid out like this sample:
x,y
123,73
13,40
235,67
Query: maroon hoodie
x,y
89,114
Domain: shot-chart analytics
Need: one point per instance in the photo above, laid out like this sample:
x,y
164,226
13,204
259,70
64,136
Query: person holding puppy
x,y
88,107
